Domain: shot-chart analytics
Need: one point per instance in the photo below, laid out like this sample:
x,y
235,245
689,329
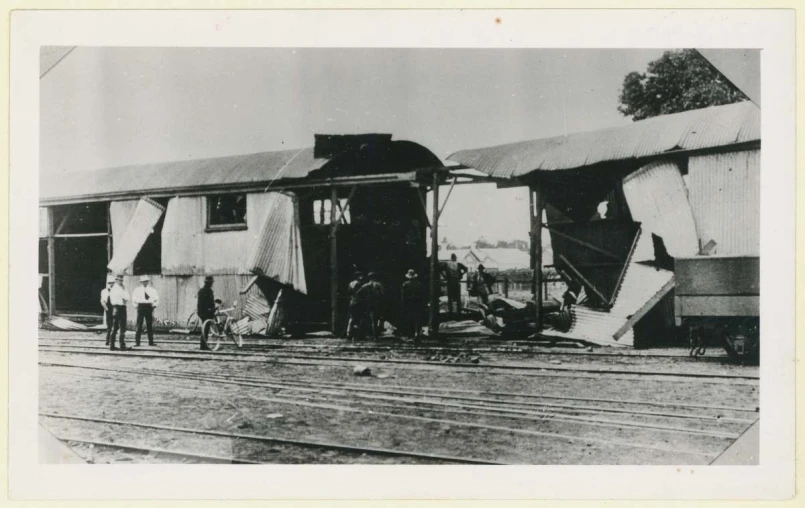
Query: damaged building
x,y
299,220
624,205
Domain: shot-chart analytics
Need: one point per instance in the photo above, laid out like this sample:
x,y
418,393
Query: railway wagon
x,y
717,301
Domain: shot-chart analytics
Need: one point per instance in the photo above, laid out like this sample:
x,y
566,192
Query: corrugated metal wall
x,y
657,198
187,249
725,197
177,295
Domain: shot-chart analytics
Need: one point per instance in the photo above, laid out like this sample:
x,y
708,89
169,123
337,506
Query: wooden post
x,y
506,286
534,288
536,238
109,245
51,265
433,315
333,261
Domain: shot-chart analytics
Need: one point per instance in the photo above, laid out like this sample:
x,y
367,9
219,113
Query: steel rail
x,y
465,348
164,451
269,439
523,368
430,389
495,411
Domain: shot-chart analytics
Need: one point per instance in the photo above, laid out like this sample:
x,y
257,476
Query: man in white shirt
x,y
106,305
146,299
119,298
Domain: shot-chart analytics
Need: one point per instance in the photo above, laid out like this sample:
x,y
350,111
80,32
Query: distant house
x,y
491,258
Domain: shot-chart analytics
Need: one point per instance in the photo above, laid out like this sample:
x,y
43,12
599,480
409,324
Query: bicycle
x,y
193,323
216,330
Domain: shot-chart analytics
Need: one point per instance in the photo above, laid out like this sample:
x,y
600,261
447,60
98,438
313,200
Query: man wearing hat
x,y
106,305
411,306
119,298
205,307
146,300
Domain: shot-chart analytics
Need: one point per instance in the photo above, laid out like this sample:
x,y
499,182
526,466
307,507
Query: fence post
x,y
506,286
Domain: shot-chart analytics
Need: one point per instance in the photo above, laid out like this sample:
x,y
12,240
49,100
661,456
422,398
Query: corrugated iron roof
x,y
255,168
690,130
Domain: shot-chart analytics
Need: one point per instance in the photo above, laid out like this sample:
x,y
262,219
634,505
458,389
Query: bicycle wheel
x,y
212,334
233,335
193,323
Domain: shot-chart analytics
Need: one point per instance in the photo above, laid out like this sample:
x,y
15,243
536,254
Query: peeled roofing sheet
x,y
657,198
145,217
277,249
640,284
689,130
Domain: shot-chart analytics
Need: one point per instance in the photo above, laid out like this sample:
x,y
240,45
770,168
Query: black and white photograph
x,y
389,255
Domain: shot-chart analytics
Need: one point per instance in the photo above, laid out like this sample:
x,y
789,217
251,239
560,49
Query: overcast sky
x,y
105,107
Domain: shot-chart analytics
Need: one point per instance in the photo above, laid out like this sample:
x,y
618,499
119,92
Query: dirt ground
x,y
474,399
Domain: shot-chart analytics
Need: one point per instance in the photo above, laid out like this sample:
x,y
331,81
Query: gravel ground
x,y
319,399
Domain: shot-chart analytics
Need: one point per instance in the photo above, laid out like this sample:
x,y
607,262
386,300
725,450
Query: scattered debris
x,y
556,362
245,425
362,370
274,415
61,323
385,375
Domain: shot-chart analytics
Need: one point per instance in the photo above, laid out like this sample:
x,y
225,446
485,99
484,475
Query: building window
x,y
226,212
323,207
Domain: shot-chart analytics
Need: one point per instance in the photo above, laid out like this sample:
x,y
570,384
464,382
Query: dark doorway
x,y
80,274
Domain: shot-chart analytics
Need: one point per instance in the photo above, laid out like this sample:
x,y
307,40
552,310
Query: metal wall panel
x,y
177,296
187,249
725,198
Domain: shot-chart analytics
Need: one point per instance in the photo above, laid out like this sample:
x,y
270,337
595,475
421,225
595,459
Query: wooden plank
x,y
536,239
333,261
51,265
424,208
80,235
717,306
589,285
447,198
637,316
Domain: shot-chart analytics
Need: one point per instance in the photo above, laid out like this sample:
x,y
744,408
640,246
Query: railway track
x,y
180,354
516,347
324,400
427,457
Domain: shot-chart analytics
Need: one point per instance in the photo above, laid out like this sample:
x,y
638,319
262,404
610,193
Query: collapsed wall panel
x,y
145,217
277,251
657,198
643,286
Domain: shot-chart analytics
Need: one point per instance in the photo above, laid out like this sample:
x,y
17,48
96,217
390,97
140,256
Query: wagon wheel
x,y
212,334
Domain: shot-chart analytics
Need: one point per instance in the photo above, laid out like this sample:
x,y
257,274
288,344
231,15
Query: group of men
x,y
367,299
115,299
366,305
